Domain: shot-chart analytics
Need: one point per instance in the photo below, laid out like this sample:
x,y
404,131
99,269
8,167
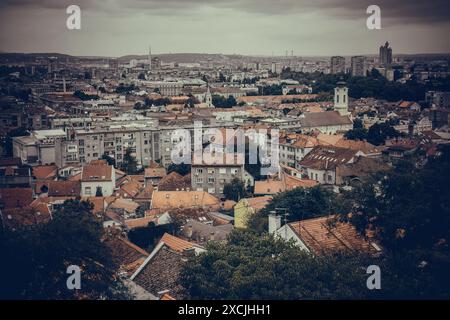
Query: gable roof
x,y
183,199
174,181
320,237
125,253
160,273
321,119
45,172
16,197
155,172
15,218
96,172
64,188
327,158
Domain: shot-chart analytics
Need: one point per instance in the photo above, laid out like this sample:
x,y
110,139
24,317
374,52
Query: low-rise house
x,y
125,254
322,235
97,179
154,175
64,188
351,174
159,275
203,232
320,164
172,200
175,182
286,182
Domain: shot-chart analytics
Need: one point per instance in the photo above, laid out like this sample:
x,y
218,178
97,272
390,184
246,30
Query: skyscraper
x,y
337,65
385,55
359,66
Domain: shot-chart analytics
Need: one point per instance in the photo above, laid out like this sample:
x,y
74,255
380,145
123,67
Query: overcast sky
x,y
252,27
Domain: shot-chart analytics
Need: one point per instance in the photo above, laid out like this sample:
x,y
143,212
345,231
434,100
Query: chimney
x,y
189,252
189,232
274,223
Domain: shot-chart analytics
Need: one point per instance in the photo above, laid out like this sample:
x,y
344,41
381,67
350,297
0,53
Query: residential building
x,y
358,66
98,178
337,65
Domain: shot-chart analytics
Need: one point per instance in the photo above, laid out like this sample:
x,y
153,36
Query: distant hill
x,y
32,56
178,57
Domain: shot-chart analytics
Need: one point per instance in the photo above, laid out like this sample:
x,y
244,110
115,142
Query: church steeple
x,y
208,97
341,98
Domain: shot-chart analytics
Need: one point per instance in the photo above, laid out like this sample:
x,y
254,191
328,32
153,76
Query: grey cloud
x,y
398,11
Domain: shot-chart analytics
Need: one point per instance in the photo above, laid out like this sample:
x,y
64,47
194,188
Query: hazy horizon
x,y
311,28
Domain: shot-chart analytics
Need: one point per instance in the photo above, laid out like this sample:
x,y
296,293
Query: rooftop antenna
x,y
150,57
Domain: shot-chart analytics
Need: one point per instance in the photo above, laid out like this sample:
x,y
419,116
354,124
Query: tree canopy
x,y
34,262
235,190
252,266
301,203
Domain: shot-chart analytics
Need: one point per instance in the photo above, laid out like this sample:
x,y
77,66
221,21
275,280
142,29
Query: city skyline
x,y
252,28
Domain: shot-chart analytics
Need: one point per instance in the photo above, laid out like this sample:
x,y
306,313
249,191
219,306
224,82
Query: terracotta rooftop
x,y
155,172
320,237
45,172
328,118
16,197
175,243
183,199
174,181
64,188
327,158
95,172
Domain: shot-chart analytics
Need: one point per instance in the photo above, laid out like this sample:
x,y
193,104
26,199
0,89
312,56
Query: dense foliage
x,y
374,85
34,262
235,190
377,134
301,203
252,266
222,102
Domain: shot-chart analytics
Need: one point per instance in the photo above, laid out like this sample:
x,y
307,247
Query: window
x,y
211,190
87,190
199,170
211,180
210,170
223,170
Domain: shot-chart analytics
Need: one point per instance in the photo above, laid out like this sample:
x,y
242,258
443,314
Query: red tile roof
x,y
16,197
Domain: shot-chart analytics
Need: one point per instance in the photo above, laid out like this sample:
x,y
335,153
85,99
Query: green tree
x,y
408,211
183,169
301,203
358,132
221,102
110,160
252,266
235,190
379,132
129,164
35,261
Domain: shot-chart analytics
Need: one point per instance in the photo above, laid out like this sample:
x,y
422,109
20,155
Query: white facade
x,y
341,99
